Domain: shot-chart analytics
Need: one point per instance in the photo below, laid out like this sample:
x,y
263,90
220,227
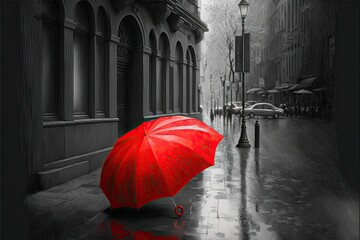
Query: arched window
x,y
191,80
50,60
194,82
162,70
178,78
101,62
81,61
152,73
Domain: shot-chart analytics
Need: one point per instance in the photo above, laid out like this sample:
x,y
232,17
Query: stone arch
x,y
178,78
129,74
84,15
103,22
136,26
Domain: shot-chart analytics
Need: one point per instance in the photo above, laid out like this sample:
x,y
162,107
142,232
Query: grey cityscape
x,y
277,79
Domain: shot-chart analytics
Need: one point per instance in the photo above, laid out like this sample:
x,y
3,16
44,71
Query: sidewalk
x,y
285,190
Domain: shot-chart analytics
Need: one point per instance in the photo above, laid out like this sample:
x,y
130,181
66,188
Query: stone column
x,y
66,75
111,84
184,87
196,84
146,81
167,83
92,75
171,84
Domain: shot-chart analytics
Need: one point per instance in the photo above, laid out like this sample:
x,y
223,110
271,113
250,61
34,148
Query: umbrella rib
x,y
196,154
185,146
122,162
162,174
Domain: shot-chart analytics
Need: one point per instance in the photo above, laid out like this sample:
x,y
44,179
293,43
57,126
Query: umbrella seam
x,y
122,162
162,174
190,148
180,118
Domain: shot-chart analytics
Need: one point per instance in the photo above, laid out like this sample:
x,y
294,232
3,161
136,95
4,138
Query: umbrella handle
x,y
177,208
181,212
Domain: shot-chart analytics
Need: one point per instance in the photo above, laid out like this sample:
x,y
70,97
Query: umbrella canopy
x,y
303,91
157,159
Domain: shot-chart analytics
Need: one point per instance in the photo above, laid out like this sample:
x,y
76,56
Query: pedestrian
x,y
292,110
307,110
302,110
211,115
286,110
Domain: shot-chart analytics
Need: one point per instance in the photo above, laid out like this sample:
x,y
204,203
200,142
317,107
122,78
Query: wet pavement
x,y
289,188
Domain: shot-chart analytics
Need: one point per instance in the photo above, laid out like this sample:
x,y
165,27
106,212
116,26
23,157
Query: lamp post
x,y
243,141
211,106
223,85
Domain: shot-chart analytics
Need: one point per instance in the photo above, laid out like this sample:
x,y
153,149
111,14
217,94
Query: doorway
x,y
128,41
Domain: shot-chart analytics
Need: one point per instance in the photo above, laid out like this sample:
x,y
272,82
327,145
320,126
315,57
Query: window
x,y
50,48
178,85
101,44
162,69
267,106
81,62
260,106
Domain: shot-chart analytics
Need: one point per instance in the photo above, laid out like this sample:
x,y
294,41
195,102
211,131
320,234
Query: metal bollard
x,y
257,134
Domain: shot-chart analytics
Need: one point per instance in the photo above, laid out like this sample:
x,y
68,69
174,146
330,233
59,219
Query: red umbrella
x,y
156,160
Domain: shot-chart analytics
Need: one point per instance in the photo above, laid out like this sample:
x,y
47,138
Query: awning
x,y
284,86
303,91
253,90
273,91
308,79
261,92
299,86
320,89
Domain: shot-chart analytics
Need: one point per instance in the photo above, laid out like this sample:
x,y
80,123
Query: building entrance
x,y
124,58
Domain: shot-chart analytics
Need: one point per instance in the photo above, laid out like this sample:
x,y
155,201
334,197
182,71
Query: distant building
x,y
96,69
300,53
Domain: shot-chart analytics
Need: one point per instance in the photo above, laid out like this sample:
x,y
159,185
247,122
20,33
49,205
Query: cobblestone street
x,y
289,188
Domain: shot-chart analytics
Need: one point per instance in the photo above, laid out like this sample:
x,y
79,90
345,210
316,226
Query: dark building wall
x,y
347,89
13,217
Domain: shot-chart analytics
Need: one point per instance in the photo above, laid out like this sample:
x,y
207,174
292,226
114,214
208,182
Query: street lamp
x,y
211,102
223,85
243,141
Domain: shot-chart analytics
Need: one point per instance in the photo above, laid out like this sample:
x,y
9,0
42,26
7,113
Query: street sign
x,y
238,53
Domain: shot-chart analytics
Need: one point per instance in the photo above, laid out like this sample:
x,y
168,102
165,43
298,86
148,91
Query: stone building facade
x,y
300,49
97,70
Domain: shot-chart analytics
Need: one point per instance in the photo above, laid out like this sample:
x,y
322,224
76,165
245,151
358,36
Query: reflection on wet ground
x,y
289,188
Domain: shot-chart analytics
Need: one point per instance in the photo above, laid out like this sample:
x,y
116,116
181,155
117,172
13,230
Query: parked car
x,y
263,109
250,102
236,107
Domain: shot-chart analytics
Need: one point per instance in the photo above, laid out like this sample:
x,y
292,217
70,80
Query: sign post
x,y
238,53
